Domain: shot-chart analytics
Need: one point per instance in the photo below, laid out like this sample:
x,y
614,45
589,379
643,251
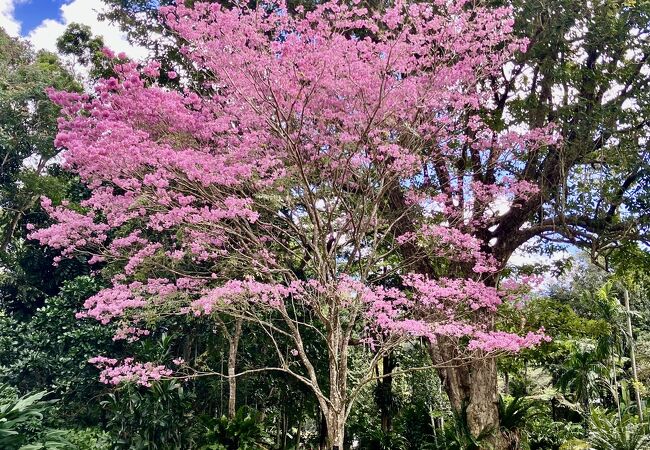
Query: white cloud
x,y
85,12
7,19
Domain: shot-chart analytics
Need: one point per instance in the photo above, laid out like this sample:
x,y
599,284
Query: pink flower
x,y
113,372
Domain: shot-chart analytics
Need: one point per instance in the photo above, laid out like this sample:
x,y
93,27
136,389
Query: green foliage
x,y
418,407
245,431
158,417
52,349
86,50
458,436
585,364
545,420
513,416
583,376
21,422
546,433
28,124
50,440
382,440
27,129
514,413
608,432
575,444
89,439
416,422
18,413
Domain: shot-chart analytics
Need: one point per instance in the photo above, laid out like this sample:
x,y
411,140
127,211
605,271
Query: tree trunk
x,y
473,393
335,429
285,426
298,434
322,431
232,366
335,408
635,377
614,382
483,408
385,394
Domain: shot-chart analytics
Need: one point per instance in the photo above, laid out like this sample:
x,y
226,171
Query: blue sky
x,y
32,13
42,21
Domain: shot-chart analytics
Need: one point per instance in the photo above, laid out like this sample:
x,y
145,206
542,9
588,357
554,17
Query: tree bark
x,y
473,392
232,366
483,407
335,429
635,377
322,431
385,386
297,439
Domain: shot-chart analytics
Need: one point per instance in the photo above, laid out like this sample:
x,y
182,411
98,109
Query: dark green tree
x,y
28,169
79,43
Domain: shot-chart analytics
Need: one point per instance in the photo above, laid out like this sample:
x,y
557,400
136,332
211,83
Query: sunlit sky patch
x,y
31,13
43,21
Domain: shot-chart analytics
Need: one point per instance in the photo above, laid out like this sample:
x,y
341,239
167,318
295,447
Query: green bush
x,y
154,418
89,439
608,432
575,444
244,432
20,417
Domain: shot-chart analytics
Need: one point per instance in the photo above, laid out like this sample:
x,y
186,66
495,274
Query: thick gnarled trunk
x,y
483,407
473,393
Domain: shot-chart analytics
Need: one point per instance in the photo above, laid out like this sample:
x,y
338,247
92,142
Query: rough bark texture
x,y
473,392
335,413
482,410
232,368
322,431
335,429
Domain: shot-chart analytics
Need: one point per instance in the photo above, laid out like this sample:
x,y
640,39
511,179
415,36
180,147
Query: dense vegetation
x,y
585,70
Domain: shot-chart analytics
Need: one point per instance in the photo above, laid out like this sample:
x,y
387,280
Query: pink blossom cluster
x,y
130,334
457,245
501,341
128,371
72,230
442,292
114,301
249,290
111,302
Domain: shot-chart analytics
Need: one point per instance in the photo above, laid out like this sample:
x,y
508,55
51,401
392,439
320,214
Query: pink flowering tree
x,y
331,177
